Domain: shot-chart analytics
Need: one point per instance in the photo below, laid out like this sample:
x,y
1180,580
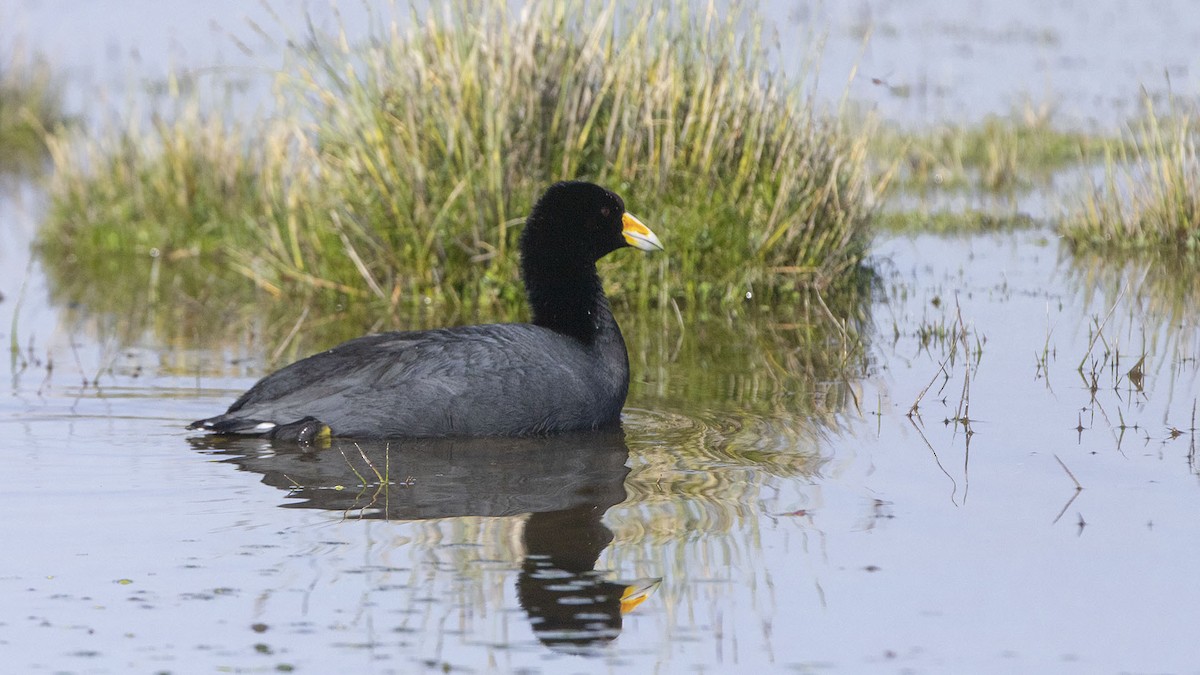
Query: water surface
x,y
792,523
770,488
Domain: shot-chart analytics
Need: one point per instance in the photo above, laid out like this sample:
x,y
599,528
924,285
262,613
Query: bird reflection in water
x,y
565,482
570,605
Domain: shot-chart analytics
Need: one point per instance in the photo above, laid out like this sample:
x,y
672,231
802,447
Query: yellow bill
x,y
638,235
637,592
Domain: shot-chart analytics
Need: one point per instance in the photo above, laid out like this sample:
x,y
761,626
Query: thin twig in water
x,y
1074,496
846,347
362,480
964,402
834,320
1192,445
917,403
387,480
937,460
78,361
1075,480
378,476
967,463
14,342
1100,328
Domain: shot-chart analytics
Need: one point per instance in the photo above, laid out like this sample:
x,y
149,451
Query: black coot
x,y
567,370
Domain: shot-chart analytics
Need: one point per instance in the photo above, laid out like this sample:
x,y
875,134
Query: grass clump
x,y
1149,199
952,222
30,106
1003,154
410,160
177,186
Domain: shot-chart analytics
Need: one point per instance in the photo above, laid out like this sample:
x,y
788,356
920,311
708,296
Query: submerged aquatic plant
x,y
411,159
1149,200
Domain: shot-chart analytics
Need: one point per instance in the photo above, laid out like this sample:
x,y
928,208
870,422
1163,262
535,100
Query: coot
x,y
567,370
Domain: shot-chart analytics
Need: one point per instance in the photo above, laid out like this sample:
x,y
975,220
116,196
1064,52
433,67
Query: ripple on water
x,y
704,472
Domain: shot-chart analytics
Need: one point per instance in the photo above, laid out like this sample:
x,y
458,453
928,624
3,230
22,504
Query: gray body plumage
x,y
470,380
